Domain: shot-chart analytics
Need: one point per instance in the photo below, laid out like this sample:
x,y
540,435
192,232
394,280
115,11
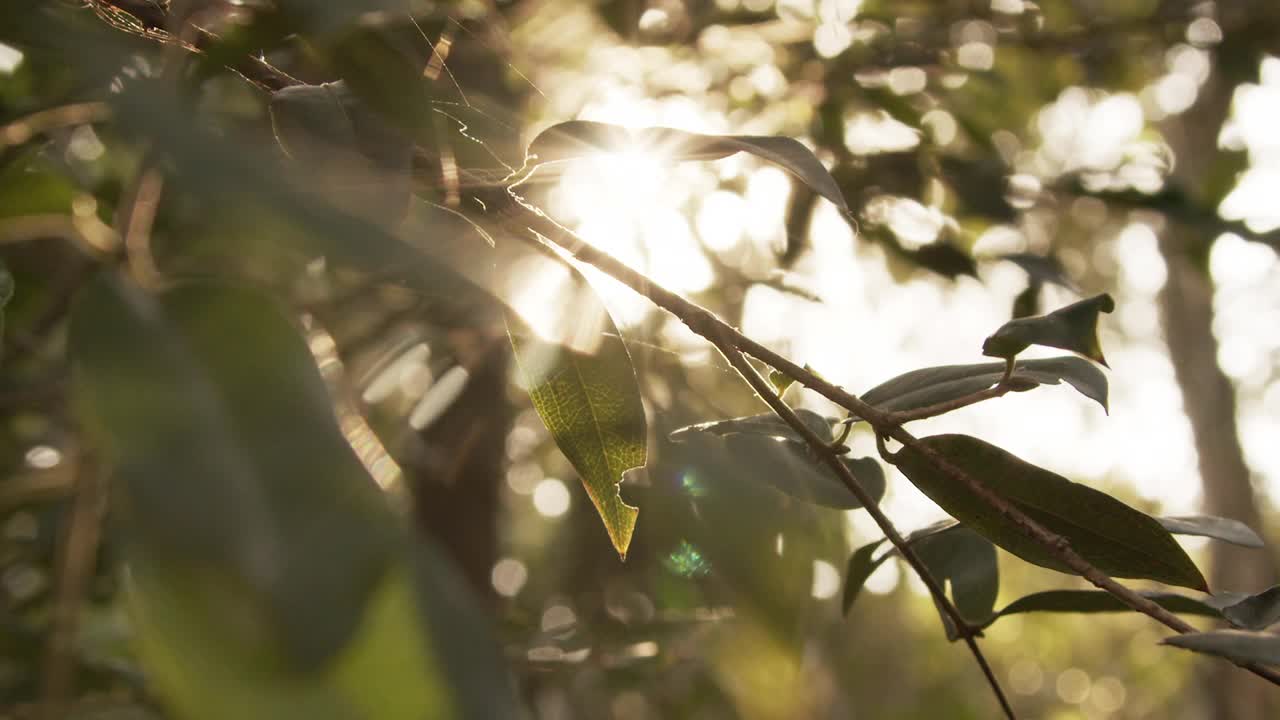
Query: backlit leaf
x,y
1098,601
927,386
590,402
1074,328
1219,528
1114,537
861,565
770,456
580,138
1238,645
966,562
1251,612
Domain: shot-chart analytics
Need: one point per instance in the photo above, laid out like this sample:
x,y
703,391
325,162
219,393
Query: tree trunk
x,y
1186,309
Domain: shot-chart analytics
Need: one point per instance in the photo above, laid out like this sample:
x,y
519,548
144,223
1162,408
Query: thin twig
x,y
1004,386
75,570
831,460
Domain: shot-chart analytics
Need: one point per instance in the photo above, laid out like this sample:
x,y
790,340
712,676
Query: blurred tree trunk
x,y
1186,309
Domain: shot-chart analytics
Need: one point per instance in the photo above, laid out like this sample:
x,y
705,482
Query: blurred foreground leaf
x,y
764,450
268,575
1251,612
1117,539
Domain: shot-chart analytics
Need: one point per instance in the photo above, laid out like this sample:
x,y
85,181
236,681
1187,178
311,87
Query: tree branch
x,y
829,457
720,333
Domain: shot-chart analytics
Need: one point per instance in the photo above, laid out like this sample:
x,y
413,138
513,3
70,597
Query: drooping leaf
x,y
268,575
1098,601
580,138
927,386
1251,612
1114,537
1239,645
770,456
861,565
966,562
589,400
780,382
1074,328
1219,528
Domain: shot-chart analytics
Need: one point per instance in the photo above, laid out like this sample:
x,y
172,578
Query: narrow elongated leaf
x,y
966,562
927,386
1074,328
1098,601
766,424
1219,528
590,402
789,466
1041,269
1116,538
1238,645
580,138
1251,612
862,564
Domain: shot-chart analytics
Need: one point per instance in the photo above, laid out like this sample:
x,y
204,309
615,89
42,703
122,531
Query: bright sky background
x,y
667,220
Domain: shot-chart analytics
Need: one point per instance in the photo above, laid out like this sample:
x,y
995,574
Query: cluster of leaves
x,y
273,577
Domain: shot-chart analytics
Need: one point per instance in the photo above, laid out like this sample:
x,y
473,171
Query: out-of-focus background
x,y
996,155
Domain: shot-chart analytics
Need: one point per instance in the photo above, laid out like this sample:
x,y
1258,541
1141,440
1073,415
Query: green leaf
x,y
780,381
1251,612
590,402
966,562
766,424
1074,328
1238,645
789,466
1098,601
6,294
861,565
1114,537
580,138
765,450
927,386
360,162
1219,528
268,576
